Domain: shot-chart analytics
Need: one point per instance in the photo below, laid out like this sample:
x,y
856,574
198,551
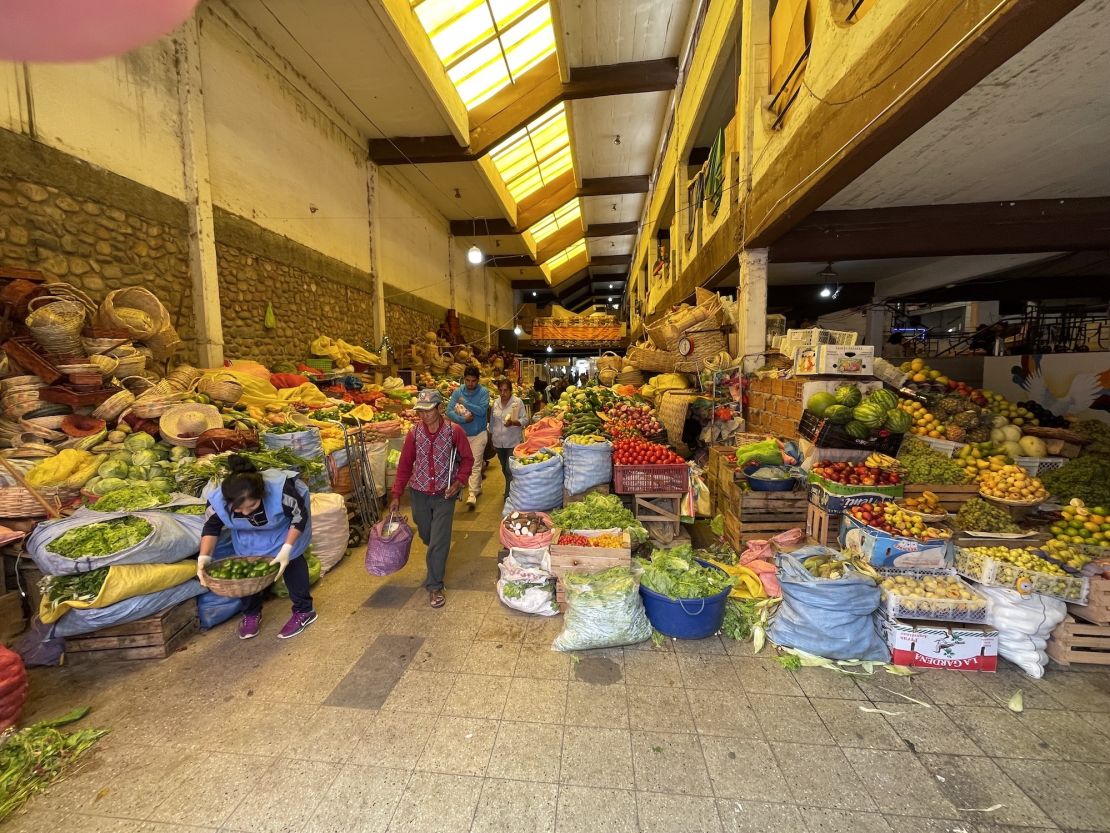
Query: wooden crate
x,y
1097,609
1080,643
822,527
566,559
951,497
154,637
568,498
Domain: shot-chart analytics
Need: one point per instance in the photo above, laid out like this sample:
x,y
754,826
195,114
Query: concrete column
x,y
751,307
876,325
198,198
375,261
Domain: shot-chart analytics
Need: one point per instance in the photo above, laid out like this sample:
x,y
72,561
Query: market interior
x,y
550,416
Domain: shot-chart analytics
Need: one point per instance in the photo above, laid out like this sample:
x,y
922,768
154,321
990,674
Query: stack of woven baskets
x,y
691,334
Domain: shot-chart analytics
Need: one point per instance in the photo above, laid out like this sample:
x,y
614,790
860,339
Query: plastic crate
x,y
642,480
905,606
325,365
823,433
814,336
995,573
1036,466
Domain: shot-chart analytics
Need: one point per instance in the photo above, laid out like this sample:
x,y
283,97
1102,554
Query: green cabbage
x,y
108,484
162,484
179,452
122,456
138,441
146,457
113,468
136,473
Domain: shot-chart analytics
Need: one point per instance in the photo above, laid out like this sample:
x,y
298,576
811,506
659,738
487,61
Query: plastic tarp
x,y
586,466
257,390
123,582
526,583
833,618
172,538
536,487
78,622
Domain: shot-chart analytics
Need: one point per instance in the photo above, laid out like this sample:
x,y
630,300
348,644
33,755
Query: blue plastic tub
x,y
685,618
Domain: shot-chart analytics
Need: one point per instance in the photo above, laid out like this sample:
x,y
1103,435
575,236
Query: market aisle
x,y
388,715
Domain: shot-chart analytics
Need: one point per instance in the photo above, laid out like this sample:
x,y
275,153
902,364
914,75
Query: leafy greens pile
x,y
677,575
603,611
193,474
600,512
135,496
100,538
82,587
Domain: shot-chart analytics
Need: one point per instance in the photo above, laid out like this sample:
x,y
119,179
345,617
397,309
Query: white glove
x,y
202,564
282,558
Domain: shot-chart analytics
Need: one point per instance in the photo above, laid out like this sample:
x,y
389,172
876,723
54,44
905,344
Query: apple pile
x,y
627,419
857,474
640,452
894,520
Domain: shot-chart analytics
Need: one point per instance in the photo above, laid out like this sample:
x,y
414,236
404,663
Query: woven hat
x,y
182,424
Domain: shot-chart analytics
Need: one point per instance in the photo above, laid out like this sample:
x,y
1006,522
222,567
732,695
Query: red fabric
x,y
287,380
408,458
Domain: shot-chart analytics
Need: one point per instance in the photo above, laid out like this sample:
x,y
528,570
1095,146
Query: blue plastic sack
x,y
537,487
213,609
832,618
586,466
77,622
307,445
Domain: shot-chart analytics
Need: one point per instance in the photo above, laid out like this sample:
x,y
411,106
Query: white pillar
x,y
373,203
198,198
751,307
876,325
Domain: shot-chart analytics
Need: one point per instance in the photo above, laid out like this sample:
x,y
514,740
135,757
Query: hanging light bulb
x,y
474,255
549,350
533,294
826,292
517,331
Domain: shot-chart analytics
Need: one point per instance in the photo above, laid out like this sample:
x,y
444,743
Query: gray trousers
x,y
434,515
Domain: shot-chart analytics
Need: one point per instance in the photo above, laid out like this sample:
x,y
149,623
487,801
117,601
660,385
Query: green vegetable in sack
x,y
138,441
81,587
134,496
100,538
107,484
113,468
314,569
767,452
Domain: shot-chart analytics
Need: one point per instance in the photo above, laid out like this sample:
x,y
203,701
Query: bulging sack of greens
x,y
586,466
526,583
107,585
536,487
77,622
307,445
604,610
831,618
88,540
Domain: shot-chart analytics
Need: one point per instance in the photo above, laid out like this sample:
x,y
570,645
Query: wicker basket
x,y
45,428
56,324
706,343
14,383
226,391
112,408
135,310
608,377
154,406
182,378
652,360
18,502
98,346
632,377
131,363
164,343
105,364
610,361
237,588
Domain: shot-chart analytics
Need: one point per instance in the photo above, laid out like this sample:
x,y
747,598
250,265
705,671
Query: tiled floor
x,y
387,715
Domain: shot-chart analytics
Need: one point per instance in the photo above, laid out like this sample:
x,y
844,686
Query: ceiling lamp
x,y
831,289
474,255
533,294
549,350
517,331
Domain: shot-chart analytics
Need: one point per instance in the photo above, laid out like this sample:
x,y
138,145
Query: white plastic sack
x,y
537,487
525,585
1024,625
330,529
172,539
604,610
586,466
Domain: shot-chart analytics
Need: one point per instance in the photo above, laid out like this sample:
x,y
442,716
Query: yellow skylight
x,y
568,261
569,214
486,45
535,155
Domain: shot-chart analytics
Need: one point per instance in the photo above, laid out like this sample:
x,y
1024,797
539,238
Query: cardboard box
x,y
884,550
921,644
836,499
834,359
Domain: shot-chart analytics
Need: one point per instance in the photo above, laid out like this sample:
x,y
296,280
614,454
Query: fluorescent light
x,y
516,330
610,299
826,292
474,255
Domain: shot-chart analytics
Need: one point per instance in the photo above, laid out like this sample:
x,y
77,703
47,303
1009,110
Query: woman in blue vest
x,y
268,514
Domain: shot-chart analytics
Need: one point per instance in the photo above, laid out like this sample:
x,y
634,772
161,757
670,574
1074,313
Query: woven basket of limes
x,y
240,576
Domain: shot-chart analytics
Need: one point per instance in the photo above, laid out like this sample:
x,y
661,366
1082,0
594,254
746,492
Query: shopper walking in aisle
x,y
469,407
507,419
435,463
268,514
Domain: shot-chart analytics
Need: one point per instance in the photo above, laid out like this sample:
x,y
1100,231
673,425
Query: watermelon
x,y
819,403
848,395
869,414
897,421
857,429
883,398
838,414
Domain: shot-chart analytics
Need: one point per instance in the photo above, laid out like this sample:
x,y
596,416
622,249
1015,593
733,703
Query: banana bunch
x,y
583,424
834,567
882,461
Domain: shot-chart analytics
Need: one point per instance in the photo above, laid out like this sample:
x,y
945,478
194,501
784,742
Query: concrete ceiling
x,y
1036,127
628,208
597,123
602,32
437,183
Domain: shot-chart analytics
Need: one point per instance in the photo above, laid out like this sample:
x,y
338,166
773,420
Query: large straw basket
x,y
610,361
164,343
56,324
131,364
221,387
238,588
95,346
135,310
13,383
183,378
18,502
607,377
112,408
706,342
648,358
153,407
45,428
630,377
105,364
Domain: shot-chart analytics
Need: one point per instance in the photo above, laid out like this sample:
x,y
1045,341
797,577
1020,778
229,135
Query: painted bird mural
x,y
1085,391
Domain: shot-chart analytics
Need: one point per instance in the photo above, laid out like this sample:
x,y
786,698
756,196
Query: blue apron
x,y
268,539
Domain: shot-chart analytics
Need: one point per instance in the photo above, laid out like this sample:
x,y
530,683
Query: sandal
x,y
436,598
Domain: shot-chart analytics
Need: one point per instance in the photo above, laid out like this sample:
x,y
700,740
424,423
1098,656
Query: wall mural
x,y
1068,384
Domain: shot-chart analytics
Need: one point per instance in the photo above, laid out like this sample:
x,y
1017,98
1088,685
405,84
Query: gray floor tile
x,y
999,732
540,662
789,719
593,756
648,668
527,752
659,709
765,676
929,730
824,820
477,695
671,763
744,770
975,783
360,798
820,682
375,674
851,727
1073,795
437,803
1070,735
391,596
758,817
820,776
516,807
661,813
592,705
536,701
394,740
586,810
283,798
887,774
723,713
459,746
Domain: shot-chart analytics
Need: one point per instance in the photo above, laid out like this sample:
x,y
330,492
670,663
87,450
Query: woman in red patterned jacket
x,y
435,463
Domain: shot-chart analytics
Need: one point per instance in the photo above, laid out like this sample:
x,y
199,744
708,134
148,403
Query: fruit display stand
x,y
1079,643
577,559
931,594
951,497
886,550
154,637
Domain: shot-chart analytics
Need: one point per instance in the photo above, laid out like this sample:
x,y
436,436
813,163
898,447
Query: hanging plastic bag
x,y
526,583
604,610
586,466
269,321
831,618
387,550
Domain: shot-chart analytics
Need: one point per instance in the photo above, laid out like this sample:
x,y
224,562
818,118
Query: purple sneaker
x,y
248,628
297,623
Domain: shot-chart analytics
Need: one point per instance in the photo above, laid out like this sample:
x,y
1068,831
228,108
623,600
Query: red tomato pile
x,y
857,474
569,539
640,452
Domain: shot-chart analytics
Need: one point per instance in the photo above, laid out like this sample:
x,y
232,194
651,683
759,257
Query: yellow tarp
x,y
749,586
124,581
259,392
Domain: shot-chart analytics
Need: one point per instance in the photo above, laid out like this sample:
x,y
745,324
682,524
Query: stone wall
x,y
312,294
92,229
408,318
